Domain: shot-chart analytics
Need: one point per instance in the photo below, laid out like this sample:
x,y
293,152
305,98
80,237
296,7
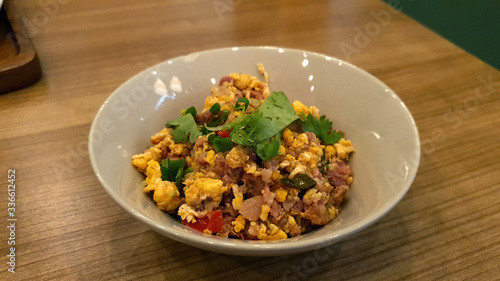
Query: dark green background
x,y
472,25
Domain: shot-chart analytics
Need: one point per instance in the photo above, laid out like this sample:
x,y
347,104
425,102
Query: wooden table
x,y
68,228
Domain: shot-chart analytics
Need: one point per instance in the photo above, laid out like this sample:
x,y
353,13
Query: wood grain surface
x,y
68,228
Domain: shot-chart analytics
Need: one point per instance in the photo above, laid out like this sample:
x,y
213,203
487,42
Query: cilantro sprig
x,y
268,149
321,128
256,129
220,144
185,127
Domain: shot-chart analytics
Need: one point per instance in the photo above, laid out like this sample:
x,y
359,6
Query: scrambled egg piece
x,y
224,99
343,149
277,176
291,221
210,158
180,149
262,71
166,194
287,136
311,157
293,193
299,169
271,233
289,224
140,161
281,195
189,214
160,136
250,167
289,161
236,157
264,212
330,152
282,150
316,150
300,107
238,197
199,188
245,81
300,141
332,212
312,196
238,223
160,150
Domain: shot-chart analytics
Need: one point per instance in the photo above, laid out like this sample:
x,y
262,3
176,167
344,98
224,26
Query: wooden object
x,y
69,228
19,64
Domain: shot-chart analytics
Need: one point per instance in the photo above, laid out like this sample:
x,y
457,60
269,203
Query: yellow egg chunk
x,y
198,189
264,212
210,157
343,149
166,194
281,194
239,223
236,157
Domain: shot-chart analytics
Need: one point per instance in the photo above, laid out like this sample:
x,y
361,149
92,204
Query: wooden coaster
x,y
19,64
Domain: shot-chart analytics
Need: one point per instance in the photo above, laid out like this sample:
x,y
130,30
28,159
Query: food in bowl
x,y
250,165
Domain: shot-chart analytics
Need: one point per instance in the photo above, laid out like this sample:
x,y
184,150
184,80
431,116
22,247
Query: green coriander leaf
x,y
222,144
239,106
270,118
321,128
300,181
267,150
215,108
256,129
310,124
229,126
278,112
244,132
240,136
211,138
332,137
192,111
185,127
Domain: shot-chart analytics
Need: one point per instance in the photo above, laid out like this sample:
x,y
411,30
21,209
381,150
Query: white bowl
x,y
377,122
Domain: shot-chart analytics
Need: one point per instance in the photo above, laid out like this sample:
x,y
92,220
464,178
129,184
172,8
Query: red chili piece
x,y
212,222
223,134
